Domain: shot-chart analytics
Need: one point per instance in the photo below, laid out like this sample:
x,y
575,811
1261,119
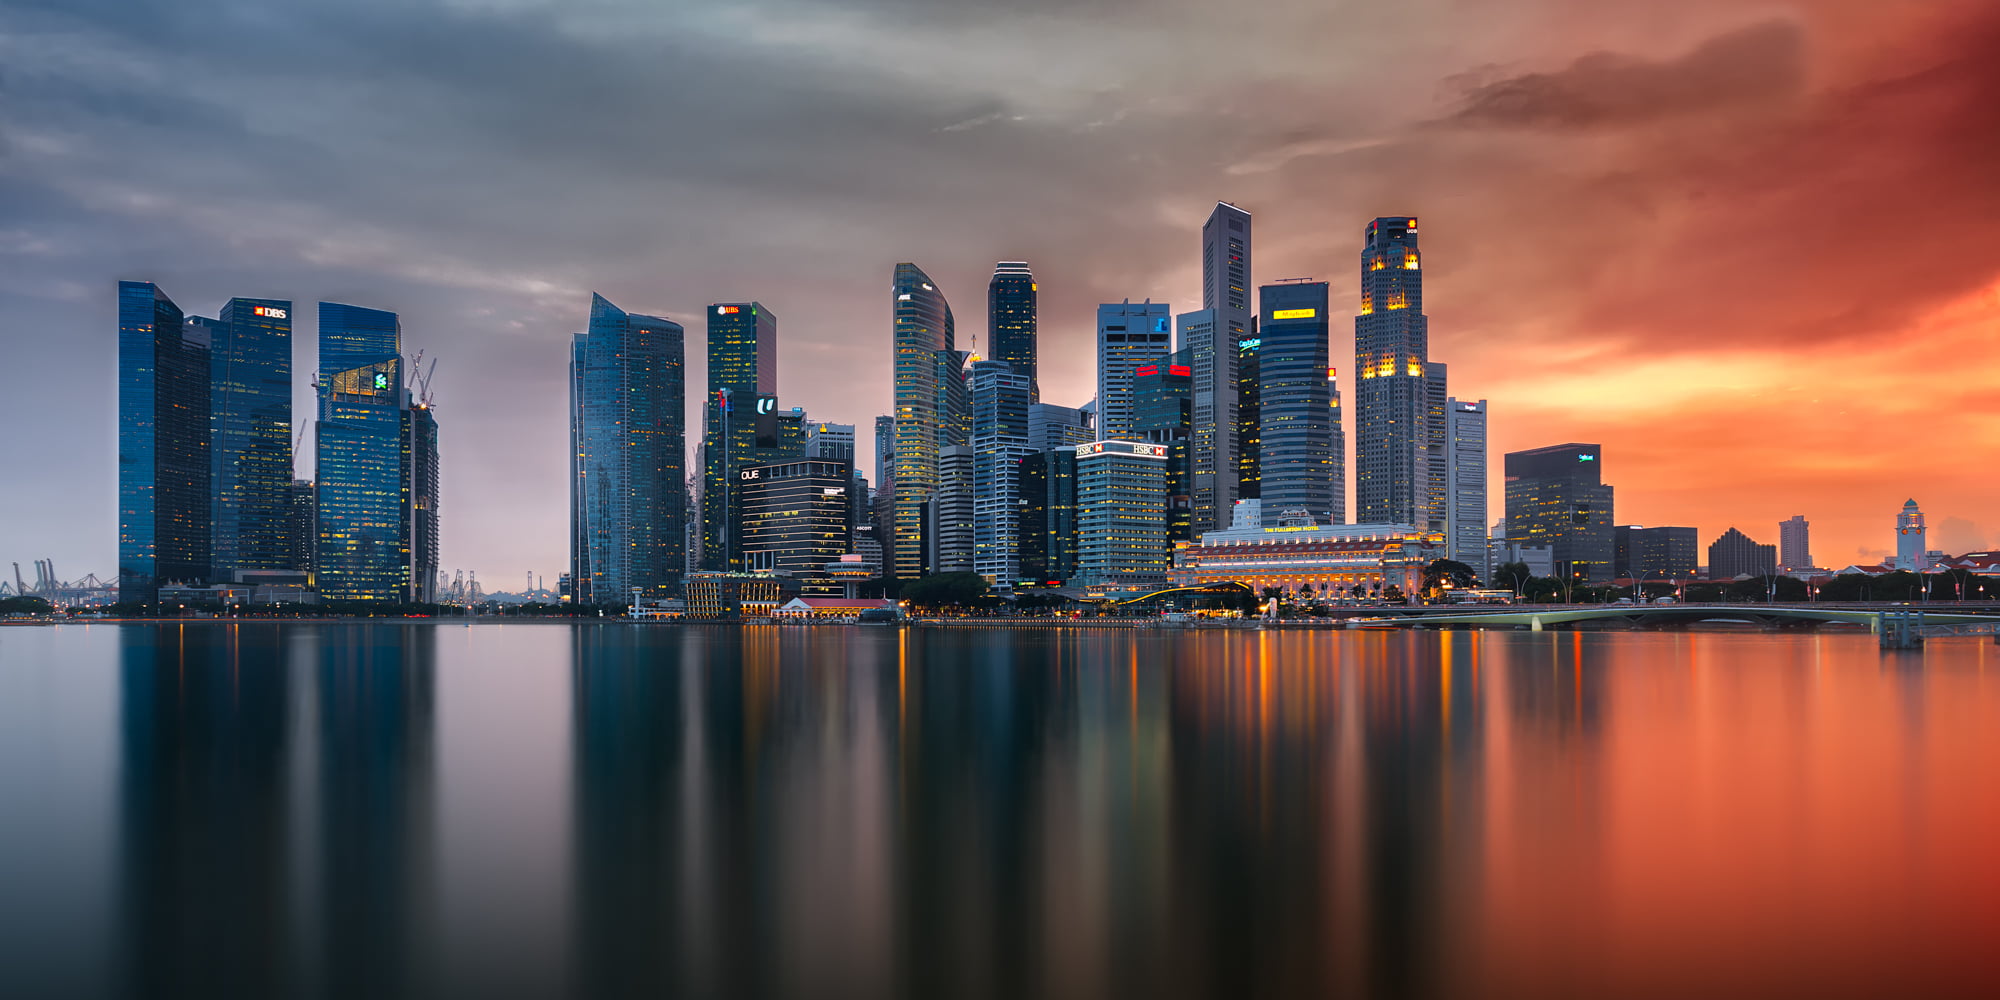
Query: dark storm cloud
x,y
1608,89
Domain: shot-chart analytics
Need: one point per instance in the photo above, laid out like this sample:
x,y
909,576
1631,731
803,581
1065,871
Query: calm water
x,y
537,810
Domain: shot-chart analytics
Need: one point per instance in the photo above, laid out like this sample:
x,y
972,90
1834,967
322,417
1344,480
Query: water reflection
x,y
610,810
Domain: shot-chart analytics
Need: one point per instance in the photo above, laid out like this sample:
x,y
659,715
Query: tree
x,y
27,604
945,590
1513,575
1448,571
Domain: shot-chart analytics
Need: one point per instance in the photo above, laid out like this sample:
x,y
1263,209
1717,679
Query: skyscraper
x,y
1010,321
1121,524
1163,413
885,452
1000,403
1663,553
922,327
1296,448
949,529
1249,425
742,391
250,452
1465,484
1795,543
163,441
1910,539
377,464
1736,554
1048,516
1437,449
1392,389
797,517
830,441
1052,426
1221,448
628,441
1128,336
1557,497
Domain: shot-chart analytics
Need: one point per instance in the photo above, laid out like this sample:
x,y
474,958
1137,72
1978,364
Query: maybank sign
x,y
1295,314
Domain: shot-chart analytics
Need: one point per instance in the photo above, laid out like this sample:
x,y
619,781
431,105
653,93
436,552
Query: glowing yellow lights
x,y
1294,313
1386,368
1410,262
1398,300
1367,305
1378,262
1415,368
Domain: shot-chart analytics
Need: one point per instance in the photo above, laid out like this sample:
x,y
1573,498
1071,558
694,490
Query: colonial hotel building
x,y
1297,553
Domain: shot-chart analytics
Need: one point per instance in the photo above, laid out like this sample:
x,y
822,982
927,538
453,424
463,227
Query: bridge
x,y
1969,621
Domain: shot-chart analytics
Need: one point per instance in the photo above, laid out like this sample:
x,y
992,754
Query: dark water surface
x,y
612,810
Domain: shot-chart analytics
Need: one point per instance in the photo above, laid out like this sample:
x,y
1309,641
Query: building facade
x,y
1910,532
1795,543
1736,554
1295,447
1010,321
1163,413
1214,337
1557,497
742,393
1129,335
250,450
164,529
833,442
1663,553
1001,398
1052,426
798,516
1392,389
1465,484
949,528
1326,561
922,327
628,437
1121,515
1048,516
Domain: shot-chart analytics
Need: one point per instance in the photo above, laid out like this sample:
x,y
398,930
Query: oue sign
x,y
751,474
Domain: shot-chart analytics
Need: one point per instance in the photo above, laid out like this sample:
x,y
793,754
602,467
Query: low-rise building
x,y
732,596
1295,553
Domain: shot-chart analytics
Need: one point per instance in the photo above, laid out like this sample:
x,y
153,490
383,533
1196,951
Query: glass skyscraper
x,y
742,391
1010,321
1000,403
1128,335
1393,391
1214,337
1557,497
1048,516
250,422
628,439
1295,452
163,445
1465,484
922,328
376,477
1121,514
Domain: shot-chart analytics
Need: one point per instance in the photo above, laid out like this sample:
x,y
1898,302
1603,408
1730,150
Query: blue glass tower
x,y
742,390
922,328
1010,320
250,422
628,497
1295,453
376,458
163,444
1000,400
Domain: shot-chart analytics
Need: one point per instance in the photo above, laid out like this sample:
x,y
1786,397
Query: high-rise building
x,y
1249,422
1664,553
301,532
1910,539
1052,426
834,442
742,395
1226,415
885,453
1048,516
1000,403
1736,554
1212,445
250,450
1795,543
1295,452
1557,497
949,528
1437,449
923,327
1465,484
1121,514
164,521
1128,335
1393,390
797,517
1163,413
1010,321
377,464
954,399
628,440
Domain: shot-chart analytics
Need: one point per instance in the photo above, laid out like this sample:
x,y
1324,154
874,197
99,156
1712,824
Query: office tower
x,y
797,517
742,395
950,530
300,532
1048,516
377,464
923,327
1052,426
954,399
834,442
1295,453
1736,554
885,453
1392,388
1557,497
1339,440
163,445
1465,484
1000,401
1910,539
1010,321
1128,336
1249,422
1437,449
628,437
1795,543
1665,554
250,427
1121,514
1212,448
1163,413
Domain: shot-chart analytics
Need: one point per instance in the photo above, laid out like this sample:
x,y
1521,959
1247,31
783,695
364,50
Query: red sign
x,y
1180,370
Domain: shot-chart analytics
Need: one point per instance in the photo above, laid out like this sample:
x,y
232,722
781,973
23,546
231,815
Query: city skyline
x,y
1833,439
